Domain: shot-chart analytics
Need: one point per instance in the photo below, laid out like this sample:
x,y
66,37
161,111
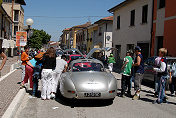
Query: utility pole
x,y
12,18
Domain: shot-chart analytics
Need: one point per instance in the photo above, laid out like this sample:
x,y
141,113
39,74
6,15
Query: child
x,y
162,72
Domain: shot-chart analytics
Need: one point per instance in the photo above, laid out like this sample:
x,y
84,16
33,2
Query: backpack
x,y
173,69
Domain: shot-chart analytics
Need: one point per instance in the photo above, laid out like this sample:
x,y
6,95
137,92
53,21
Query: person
x,y
126,74
139,71
49,64
156,76
61,66
162,72
37,72
111,61
173,79
24,59
29,73
3,60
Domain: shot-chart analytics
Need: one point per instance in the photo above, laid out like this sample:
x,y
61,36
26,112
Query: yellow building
x,y
91,30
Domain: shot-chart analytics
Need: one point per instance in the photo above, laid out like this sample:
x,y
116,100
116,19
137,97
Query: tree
x,y
38,39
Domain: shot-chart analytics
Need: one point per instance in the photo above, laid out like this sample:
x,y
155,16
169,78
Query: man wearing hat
x,y
139,72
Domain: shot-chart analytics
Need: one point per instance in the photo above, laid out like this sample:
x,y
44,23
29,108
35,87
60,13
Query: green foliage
x,y
38,39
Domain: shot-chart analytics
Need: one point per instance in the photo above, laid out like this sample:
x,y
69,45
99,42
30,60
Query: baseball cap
x,y
137,48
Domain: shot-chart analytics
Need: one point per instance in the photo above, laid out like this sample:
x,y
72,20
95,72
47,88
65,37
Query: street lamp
x,y
29,22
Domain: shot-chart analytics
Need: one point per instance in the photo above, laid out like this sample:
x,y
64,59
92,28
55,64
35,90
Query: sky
x,y
53,16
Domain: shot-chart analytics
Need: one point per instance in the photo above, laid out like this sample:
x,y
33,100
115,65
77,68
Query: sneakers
x,y
121,95
155,94
156,102
136,97
22,86
53,96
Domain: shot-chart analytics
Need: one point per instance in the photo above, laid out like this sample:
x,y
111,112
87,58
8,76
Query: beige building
x,y
18,18
5,31
132,26
18,14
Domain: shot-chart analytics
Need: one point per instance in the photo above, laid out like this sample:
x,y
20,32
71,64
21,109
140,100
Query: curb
x,y
12,109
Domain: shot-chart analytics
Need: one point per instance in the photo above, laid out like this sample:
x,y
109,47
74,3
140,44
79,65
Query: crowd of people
x,y
48,67
135,69
45,66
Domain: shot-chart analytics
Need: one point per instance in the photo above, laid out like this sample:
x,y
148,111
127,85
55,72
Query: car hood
x,y
90,81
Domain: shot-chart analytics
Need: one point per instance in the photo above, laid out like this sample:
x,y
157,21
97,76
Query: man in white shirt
x,y
61,66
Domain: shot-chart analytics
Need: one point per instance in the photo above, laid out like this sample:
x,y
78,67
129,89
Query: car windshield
x,y
87,66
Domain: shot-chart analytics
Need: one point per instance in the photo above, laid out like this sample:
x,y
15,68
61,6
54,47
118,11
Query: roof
x,y
22,2
110,18
67,29
120,5
83,25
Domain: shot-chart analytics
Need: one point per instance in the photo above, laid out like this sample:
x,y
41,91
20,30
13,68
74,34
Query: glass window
x,y
15,30
144,13
16,15
87,66
118,22
132,18
161,4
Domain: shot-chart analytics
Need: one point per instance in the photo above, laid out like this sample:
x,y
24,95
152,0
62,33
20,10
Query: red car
x,y
73,57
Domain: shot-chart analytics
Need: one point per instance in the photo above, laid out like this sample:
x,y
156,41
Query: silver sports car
x,y
87,79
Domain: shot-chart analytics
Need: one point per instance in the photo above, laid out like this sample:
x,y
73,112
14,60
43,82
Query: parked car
x,y
150,63
87,79
72,57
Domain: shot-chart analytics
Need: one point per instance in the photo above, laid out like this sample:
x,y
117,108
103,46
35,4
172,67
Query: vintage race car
x,y
87,79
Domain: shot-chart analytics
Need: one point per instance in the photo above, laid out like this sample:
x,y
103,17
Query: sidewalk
x,y
7,66
9,87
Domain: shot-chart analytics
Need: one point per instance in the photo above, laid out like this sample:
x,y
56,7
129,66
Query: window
x,y
16,15
10,1
15,30
130,47
118,22
100,31
144,13
161,4
132,18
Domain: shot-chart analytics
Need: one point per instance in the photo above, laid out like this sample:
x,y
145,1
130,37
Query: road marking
x,y
2,78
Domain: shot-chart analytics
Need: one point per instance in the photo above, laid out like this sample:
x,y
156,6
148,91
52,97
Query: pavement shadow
x,y
147,91
146,100
82,103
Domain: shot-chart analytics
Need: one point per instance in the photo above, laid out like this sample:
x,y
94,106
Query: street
x,y
120,108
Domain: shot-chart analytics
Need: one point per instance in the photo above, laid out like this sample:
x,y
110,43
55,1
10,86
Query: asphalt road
x,y
120,108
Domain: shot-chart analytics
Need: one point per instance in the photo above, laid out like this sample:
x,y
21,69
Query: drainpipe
x,y
12,19
152,26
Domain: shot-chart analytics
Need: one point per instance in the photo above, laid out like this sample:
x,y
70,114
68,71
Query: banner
x,y
21,38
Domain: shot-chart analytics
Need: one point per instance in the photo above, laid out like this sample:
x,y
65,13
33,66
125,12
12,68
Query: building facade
x,y
5,32
164,26
104,34
17,16
132,26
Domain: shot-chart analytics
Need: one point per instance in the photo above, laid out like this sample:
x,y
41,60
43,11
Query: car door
x,y
148,69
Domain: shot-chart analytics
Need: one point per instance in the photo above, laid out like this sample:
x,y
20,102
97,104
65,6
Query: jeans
x,y
172,85
161,94
156,83
23,72
35,86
